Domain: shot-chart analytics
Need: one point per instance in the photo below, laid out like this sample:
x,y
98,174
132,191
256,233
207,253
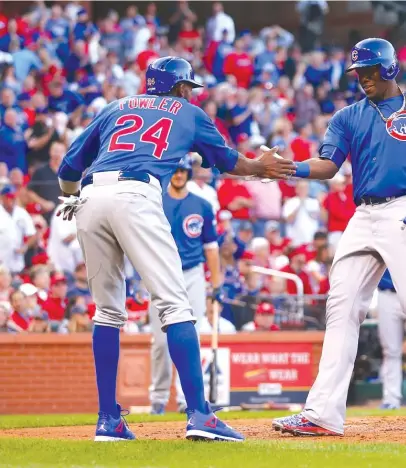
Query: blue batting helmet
x,y
375,51
186,165
164,73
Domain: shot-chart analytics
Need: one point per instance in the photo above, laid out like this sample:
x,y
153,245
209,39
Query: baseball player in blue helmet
x,y
130,151
373,132
163,74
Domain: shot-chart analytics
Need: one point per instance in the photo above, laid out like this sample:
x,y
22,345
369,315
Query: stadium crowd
x,y
59,69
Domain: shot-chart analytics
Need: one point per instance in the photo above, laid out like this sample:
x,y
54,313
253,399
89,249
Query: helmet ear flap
x,y
390,72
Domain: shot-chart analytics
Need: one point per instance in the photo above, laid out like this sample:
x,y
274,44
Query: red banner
x,y
287,366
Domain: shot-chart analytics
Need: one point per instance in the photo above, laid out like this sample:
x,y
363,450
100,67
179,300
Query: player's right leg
x,y
390,325
143,232
354,276
105,270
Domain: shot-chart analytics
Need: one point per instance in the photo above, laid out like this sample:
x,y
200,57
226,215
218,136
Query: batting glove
x,y
218,294
68,207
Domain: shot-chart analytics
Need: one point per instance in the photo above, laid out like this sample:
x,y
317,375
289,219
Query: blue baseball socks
x,y
184,349
106,351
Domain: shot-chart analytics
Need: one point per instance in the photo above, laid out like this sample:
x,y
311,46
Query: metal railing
x,y
290,276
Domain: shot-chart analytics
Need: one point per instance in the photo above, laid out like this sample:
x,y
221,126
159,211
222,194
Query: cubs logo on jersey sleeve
x,y
397,127
193,225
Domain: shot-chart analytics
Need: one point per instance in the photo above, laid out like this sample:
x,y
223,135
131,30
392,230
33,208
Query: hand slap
x,y
280,168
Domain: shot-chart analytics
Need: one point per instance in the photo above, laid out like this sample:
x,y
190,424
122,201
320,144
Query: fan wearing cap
x,y
24,303
56,303
297,265
24,228
263,320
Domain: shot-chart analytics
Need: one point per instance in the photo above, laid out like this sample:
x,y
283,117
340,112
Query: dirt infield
x,y
369,429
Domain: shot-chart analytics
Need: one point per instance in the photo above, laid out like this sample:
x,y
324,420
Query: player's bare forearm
x,y
267,166
213,264
321,169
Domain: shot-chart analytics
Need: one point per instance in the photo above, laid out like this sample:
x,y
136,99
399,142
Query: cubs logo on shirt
x,y
193,225
397,127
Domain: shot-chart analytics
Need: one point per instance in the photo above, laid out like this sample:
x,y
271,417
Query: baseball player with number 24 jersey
x,y
131,149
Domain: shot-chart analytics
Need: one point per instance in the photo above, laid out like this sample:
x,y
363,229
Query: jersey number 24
x,y
157,134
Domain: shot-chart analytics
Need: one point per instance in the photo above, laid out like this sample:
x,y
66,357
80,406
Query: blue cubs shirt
x,y
150,134
377,149
193,226
68,102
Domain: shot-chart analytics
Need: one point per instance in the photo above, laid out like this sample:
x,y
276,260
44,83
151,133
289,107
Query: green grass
x,y
38,453
176,454
53,420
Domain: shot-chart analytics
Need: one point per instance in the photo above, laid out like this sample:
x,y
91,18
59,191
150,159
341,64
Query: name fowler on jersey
x,y
193,225
397,127
166,104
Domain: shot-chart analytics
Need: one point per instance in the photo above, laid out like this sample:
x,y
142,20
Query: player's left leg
x,y
390,323
196,291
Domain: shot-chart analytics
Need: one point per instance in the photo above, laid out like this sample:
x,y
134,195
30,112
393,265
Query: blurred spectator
x,y
206,325
235,197
148,55
64,100
320,239
41,279
297,267
218,23
241,115
182,12
302,147
312,13
210,107
267,204
56,303
245,232
318,268
301,214
63,246
263,320
278,245
239,64
39,138
199,185
76,317
84,28
23,226
131,81
80,287
338,209
44,186
319,70
19,319
307,108
5,283
13,146
5,311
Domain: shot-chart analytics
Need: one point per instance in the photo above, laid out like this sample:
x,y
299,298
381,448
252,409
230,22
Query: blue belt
x,y
377,200
139,176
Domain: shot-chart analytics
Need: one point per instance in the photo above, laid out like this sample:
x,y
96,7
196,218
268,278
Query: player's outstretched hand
x,y
276,167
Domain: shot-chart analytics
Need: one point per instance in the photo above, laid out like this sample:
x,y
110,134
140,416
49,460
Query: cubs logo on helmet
x,y
193,225
397,127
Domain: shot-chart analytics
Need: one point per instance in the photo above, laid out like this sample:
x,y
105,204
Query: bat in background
x,y
213,382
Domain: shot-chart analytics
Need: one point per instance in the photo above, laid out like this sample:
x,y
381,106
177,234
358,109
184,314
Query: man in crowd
x,y
44,187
